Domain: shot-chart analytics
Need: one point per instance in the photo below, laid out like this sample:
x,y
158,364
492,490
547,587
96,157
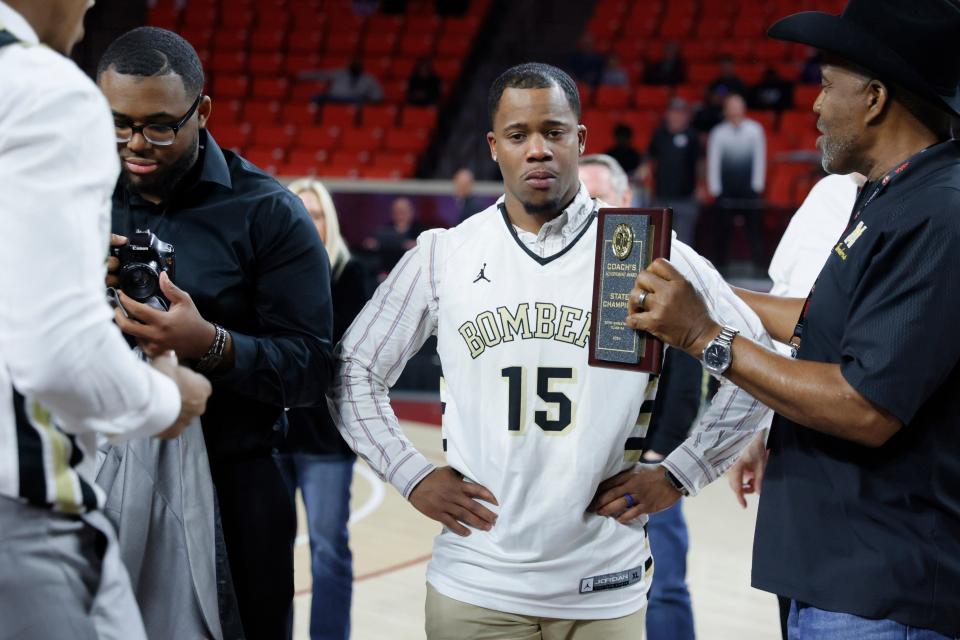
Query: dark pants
x,y
726,211
259,526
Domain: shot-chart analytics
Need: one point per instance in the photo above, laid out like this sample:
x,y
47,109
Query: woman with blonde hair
x,y
315,457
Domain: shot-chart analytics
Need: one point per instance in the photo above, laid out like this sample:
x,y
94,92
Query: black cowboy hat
x,y
912,43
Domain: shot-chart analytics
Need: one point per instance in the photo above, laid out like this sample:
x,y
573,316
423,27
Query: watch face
x,y
716,356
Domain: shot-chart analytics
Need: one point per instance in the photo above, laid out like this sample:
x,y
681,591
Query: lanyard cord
x,y
854,217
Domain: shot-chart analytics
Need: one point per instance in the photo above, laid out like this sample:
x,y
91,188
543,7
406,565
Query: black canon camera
x,y
142,260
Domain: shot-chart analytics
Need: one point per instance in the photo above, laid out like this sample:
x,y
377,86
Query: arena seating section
x,y
254,50
705,30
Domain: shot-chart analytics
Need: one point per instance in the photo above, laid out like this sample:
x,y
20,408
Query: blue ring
x,y
630,502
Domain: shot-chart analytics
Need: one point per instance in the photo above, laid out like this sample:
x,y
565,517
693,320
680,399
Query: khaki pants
x,y
449,619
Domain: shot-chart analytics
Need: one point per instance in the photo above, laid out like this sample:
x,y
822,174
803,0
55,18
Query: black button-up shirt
x,y
248,254
876,531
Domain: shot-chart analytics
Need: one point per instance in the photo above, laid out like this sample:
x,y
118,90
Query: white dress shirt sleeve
x,y
389,330
58,168
728,425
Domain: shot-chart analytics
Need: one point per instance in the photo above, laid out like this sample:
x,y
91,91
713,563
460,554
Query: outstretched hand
x,y
450,500
672,309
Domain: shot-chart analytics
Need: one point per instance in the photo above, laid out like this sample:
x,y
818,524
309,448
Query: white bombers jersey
x,y
523,414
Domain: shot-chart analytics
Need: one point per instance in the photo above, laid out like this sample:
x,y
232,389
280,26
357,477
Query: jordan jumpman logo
x,y
481,276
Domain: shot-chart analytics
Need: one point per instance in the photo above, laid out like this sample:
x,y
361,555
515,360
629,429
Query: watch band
x,y
727,334
214,355
672,479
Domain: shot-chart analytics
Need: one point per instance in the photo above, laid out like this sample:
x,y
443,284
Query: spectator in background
x,y
314,457
772,92
614,74
736,173
423,88
467,203
350,84
623,149
710,113
392,240
728,81
670,70
586,63
674,162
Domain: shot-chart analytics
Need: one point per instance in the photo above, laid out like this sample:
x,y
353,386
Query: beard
x,y
163,182
834,150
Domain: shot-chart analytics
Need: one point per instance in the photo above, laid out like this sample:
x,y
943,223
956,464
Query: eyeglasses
x,y
161,135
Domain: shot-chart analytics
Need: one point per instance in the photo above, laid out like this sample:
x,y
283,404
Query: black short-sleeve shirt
x,y
875,532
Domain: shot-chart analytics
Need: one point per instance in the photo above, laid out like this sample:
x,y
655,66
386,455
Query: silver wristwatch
x,y
718,354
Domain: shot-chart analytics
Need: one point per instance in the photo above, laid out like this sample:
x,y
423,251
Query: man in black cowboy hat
x,y
859,522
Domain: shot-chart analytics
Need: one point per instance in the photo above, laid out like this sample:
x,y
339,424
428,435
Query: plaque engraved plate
x,y
628,240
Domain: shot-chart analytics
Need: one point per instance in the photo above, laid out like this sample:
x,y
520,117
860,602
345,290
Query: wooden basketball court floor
x,y
391,544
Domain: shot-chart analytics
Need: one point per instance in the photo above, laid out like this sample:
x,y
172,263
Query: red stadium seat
x,y
338,171
339,115
231,136
797,123
380,44
267,159
228,86
452,45
229,62
383,116
804,95
361,139
465,27
297,63
423,24
417,45
236,18
227,39
199,37
607,97
275,136
655,98
406,161
350,157
309,42
197,15
402,68
266,64
270,88
258,112
407,140
418,117
342,42
308,156
382,172
299,114
268,40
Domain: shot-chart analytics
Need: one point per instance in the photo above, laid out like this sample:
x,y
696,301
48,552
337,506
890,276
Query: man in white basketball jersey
x,y
543,537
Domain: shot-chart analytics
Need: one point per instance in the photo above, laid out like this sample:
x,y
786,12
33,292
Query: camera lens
x,y
139,280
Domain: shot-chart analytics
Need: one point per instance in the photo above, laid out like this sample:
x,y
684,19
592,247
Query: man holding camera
x,y
66,374
251,307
